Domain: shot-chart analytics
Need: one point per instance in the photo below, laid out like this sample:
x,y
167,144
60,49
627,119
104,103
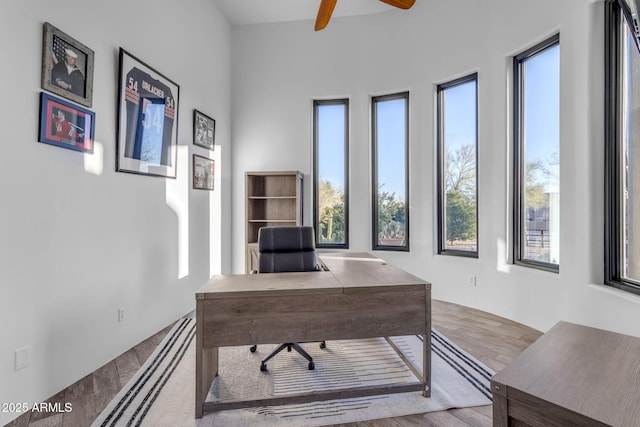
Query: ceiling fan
x,y
326,9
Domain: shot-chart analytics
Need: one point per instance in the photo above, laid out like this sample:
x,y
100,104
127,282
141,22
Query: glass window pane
x,y
630,185
390,144
622,148
331,173
458,145
540,160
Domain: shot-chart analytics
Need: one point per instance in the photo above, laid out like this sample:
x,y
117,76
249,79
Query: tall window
x,y
622,168
537,161
390,137
457,124
331,172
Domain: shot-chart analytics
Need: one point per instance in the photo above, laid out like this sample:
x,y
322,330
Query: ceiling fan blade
x,y
324,13
402,4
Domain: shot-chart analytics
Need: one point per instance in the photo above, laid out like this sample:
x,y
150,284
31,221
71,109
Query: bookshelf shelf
x,y
273,199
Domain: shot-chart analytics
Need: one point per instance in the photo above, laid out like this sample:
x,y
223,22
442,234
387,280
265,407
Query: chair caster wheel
x,y
312,366
323,345
263,368
253,348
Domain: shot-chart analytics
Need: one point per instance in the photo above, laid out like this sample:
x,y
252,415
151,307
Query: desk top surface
x,y
347,273
590,371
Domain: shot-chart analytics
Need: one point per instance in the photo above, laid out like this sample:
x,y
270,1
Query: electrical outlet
x,y
120,315
472,281
21,358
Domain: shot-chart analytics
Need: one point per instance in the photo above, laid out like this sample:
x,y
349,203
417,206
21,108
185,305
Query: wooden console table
x,y
572,376
360,296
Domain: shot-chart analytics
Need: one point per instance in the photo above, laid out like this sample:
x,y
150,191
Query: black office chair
x,y
287,249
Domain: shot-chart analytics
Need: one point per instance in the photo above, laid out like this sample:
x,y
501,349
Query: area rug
x,y
162,393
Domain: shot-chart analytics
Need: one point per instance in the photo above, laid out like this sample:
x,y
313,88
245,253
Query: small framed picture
x,y
67,66
147,120
66,125
204,130
203,173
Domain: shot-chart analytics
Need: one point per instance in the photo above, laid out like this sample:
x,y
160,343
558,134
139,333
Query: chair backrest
x,y
286,249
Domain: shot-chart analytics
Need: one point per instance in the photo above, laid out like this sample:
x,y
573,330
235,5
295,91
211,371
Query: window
x,y
536,75
622,167
457,124
331,173
390,135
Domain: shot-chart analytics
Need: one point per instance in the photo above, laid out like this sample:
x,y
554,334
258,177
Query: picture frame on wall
x,y
204,130
67,66
66,125
203,173
147,120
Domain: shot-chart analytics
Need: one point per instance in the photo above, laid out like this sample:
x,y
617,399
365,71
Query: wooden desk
x,y
572,376
358,297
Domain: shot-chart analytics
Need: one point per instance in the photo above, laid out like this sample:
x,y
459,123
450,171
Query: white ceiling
x,y
242,12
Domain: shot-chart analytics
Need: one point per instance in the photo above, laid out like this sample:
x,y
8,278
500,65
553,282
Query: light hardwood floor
x,y
492,339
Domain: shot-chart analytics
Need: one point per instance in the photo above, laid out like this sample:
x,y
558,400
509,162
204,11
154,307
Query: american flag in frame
x,y
67,66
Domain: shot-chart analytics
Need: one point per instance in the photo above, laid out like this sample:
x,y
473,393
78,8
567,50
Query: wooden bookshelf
x,y
273,199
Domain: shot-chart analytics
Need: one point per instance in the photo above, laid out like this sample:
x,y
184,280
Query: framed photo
x,y
67,66
66,125
203,173
147,120
204,130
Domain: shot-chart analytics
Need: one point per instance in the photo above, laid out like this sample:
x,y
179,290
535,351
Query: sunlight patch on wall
x,y
502,264
94,162
215,203
177,198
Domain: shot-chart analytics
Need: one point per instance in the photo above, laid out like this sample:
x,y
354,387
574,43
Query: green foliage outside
x,y
391,218
461,206
461,217
331,210
391,215
536,174
460,187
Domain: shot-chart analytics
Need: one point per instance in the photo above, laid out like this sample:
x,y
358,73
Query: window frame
x,y
374,171
441,182
316,214
518,165
615,11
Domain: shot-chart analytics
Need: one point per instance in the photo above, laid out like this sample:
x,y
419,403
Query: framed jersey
x,y
147,120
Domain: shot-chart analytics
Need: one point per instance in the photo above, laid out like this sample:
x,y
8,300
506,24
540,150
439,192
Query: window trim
x,y
374,172
316,216
518,166
615,11
440,89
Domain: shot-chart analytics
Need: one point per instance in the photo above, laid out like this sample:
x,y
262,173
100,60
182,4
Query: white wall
x,y
279,68
79,240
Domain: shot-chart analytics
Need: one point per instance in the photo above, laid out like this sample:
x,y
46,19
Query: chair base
x,y
290,345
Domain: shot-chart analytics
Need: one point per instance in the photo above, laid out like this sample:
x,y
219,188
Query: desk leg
x,y
426,361
206,362
206,371
426,346
500,405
